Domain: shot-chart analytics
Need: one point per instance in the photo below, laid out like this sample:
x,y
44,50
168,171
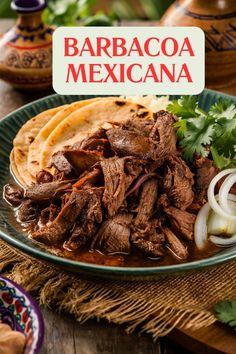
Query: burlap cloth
x,y
155,307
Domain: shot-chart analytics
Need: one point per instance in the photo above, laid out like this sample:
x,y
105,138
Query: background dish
x,y
10,231
21,313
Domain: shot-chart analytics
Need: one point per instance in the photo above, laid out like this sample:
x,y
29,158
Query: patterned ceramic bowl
x,y
21,313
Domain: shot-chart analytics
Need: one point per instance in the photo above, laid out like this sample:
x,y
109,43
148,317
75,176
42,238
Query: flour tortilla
x,y
38,144
85,121
21,144
14,170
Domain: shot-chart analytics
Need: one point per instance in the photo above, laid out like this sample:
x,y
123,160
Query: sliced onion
x,y
211,197
200,227
224,191
221,241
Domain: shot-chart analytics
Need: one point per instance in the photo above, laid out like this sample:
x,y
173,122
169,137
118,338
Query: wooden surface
x,y
66,336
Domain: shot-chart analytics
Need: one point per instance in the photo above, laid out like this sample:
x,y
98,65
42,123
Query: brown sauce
x,y
136,259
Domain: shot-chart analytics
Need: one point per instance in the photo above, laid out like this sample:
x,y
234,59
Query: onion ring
x,y
221,241
200,227
211,197
224,191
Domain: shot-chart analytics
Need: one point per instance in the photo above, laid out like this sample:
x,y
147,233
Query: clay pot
x,y
26,49
218,20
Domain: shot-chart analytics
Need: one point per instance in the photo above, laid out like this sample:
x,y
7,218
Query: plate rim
x,y
78,266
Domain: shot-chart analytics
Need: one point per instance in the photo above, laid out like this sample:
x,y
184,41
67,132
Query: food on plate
x,y
38,144
129,181
11,342
22,141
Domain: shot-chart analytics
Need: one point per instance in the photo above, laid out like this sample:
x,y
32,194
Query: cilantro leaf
x,y
198,134
225,141
223,109
201,133
225,312
181,127
185,107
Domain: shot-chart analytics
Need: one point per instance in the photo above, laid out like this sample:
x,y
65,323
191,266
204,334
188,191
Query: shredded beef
x,y
44,177
129,143
149,240
123,188
89,178
205,171
113,236
54,232
87,224
49,214
71,161
152,140
178,181
47,191
181,221
62,165
178,249
13,194
163,138
140,126
148,198
117,181
28,211
98,134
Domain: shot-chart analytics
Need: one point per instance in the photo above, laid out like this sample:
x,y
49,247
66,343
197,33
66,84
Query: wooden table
x,y
64,335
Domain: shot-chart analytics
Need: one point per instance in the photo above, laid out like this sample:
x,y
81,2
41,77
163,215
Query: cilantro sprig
x,y
225,312
202,133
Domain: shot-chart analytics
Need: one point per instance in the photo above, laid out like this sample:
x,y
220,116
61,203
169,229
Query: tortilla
x,y
22,141
85,121
14,170
38,144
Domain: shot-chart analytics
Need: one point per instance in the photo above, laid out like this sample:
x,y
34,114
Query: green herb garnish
x,y
202,133
225,312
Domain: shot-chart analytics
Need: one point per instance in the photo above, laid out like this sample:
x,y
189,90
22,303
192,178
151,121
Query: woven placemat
x,y
155,307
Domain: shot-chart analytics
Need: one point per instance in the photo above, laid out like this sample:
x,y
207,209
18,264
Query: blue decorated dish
x,y
21,313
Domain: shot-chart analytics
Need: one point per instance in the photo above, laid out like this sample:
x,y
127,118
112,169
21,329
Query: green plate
x,y
10,231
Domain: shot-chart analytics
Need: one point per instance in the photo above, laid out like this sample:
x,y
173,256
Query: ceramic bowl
x,y
21,313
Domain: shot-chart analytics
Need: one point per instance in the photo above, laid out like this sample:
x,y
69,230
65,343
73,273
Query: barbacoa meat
x,y
123,188
117,181
72,161
13,194
49,214
47,191
148,240
205,171
28,211
62,165
144,142
129,143
179,250
148,197
181,221
44,177
88,221
140,126
163,137
113,235
178,182
89,178
54,232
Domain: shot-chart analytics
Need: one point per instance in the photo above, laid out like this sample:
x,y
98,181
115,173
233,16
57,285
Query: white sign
x,y
128,60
